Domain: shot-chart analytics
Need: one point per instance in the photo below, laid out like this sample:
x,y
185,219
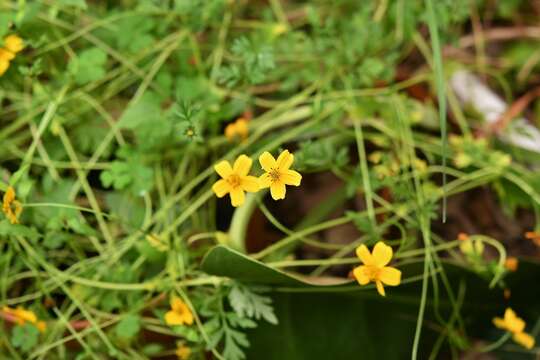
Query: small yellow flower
x,y
6,55
11,207
515,325
375,269
237,129
511,264
277,173
4,65
22,316
235,180
13,43
183,352
179,314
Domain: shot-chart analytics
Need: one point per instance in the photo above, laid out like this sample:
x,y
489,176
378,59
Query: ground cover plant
x,y
269,179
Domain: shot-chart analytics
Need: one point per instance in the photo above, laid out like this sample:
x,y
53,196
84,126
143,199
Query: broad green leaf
x,y
129,326
316,322
224,261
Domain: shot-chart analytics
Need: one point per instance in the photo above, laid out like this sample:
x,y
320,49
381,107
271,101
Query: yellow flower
x,y
179,314
13,43
21,316
6,55
4,65
511,264
375,269
183,352
515,325
11,207
235,180
277,173
237,129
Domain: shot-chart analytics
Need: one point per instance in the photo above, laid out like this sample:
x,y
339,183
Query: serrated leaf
x,y
88,66
247,303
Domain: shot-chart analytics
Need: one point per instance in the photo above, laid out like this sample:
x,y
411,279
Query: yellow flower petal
x,y
267,161
285,160
277,190
513,322
291,177
230,131
360,275
364,255
250,184
13,43
176,304
221,188
382,254
265,181
6,55
380,288
188,317
237,197
390,276
524,339
183,352
498,322
173,318
224,169
242,128
4,65
242,165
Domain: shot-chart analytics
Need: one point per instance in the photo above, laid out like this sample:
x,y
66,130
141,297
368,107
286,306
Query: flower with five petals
x,y
235,180
375,269
277,173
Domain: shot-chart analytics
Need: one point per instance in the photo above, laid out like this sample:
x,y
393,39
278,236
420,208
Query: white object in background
x,y
471,91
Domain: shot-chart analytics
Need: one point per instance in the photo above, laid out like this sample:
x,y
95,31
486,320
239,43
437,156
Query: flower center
x,y
274,175
234,180
372,272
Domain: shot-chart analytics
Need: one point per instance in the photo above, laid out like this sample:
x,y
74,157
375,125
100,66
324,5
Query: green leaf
x,y
128,208
110,301
247,303
224,261
88,66
131,174
146,109
129,326
25,337
152,349
318,320
5,18
7,229
139,29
